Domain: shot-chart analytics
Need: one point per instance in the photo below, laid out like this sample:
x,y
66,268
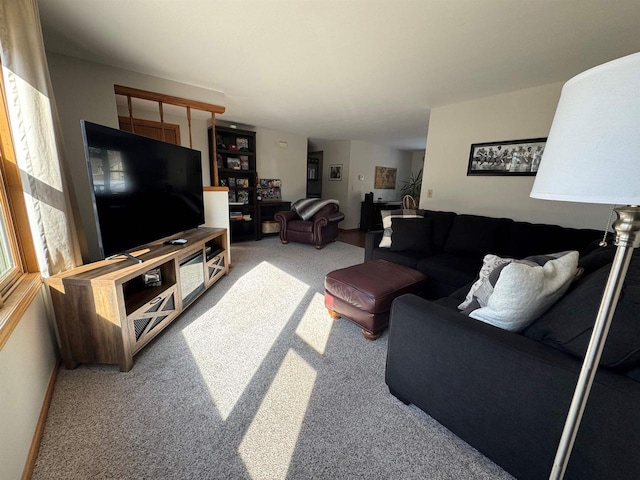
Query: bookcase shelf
x,y
244,158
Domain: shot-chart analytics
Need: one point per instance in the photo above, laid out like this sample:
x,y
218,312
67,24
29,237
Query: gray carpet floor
x,y
254,380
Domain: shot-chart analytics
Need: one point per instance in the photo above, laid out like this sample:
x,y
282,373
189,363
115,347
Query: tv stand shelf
x,y
107,311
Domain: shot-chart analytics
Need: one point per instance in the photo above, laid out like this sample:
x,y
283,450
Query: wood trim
x,y
215,189
16,304
15,194
150,123
159,97
27,473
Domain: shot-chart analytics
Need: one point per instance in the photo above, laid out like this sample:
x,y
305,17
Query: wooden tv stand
x,y
107,311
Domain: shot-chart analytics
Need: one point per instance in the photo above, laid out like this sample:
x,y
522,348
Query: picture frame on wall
x,y
508,158
385,178
335,172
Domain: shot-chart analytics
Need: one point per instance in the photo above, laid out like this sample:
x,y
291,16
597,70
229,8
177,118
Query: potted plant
x,y
413,186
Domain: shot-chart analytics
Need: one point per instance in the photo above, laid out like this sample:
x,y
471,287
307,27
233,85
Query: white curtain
x,y
36,135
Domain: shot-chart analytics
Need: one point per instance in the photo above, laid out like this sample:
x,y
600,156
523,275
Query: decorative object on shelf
x,y
244,162
385,178
242,144
408,202
592,157
514,157
232,182
335,171
242,196
152,278
232,196
270,189
233,163
242,182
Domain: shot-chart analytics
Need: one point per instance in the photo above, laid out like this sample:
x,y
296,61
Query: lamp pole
x,y
627,228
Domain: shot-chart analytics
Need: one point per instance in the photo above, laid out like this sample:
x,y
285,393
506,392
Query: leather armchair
x,y
319,230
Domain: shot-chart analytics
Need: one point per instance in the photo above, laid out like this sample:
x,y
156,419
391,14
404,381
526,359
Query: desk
x,y
370,218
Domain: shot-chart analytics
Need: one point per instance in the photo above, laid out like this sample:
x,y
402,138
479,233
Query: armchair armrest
x,y
325,219
282,218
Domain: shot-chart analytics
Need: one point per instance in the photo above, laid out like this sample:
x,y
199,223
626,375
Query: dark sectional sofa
x,y
507,394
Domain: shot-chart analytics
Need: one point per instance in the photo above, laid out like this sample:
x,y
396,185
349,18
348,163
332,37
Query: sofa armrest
x,y
505,394
371,241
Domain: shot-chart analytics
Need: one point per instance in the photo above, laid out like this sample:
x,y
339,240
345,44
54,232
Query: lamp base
x,y
627,228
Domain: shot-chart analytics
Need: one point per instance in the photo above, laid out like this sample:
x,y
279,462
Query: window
x,y
19,278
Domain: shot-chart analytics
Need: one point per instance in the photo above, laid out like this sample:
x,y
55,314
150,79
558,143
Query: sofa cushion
x,y
408,259
442,222
475,236
411,234
452,270
568,325
388,216
525,239
520,291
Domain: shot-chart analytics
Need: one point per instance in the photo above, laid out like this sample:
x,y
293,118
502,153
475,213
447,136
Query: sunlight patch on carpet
x,y
231,340
268,445
315,326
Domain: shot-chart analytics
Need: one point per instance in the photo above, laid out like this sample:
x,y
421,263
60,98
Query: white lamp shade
x,y
592,154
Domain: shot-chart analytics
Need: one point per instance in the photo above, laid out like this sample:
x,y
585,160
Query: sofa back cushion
x,y
475,236
525,239
568,325
440,227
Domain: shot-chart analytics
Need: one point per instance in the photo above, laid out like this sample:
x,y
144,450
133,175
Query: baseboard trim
x,y
37,436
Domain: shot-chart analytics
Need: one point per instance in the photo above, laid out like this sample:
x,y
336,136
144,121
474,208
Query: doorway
x,y
314,174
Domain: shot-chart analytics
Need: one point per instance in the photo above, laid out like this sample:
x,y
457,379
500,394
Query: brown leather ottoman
x,y
363,293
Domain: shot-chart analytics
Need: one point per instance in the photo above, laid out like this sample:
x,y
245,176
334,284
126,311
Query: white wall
x,y
518,115
335,152
417,161
84,90
288,164
27,361
359,158
364,158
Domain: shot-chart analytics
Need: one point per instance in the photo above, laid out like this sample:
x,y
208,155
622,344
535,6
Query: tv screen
x,y
143,189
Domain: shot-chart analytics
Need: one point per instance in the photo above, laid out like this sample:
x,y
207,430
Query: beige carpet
x,y
254,381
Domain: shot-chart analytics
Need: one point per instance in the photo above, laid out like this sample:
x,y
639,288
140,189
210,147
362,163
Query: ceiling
x,y
365,70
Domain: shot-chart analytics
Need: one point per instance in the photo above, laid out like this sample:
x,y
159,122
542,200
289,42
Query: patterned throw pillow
x,y
522,290
387,216
483,287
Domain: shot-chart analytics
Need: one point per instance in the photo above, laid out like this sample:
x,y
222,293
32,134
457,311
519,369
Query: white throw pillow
x,y
526,288
387,216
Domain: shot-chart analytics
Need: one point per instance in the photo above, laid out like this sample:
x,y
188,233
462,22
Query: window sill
x,y
16,304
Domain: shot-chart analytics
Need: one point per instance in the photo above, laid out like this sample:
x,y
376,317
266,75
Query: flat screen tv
x,y
143,189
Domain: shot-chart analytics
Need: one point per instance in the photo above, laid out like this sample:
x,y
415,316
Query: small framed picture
x,y
233,163
335,171
232,182
242,182
243,196
232,196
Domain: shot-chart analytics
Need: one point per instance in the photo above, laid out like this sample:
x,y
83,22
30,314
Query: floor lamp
x,y
592,155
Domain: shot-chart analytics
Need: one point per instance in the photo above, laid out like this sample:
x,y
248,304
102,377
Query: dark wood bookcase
x,y
235,160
